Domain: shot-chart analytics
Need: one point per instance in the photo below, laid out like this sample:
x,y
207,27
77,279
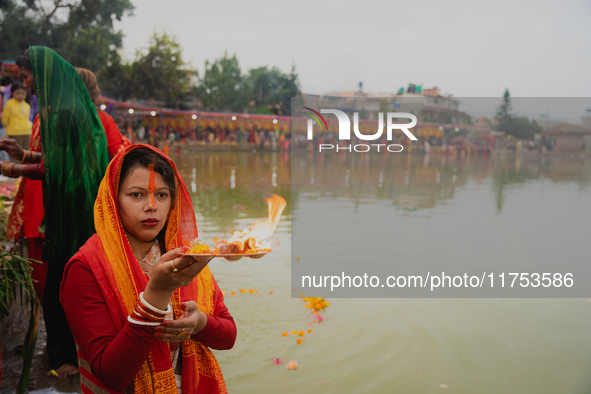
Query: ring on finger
x,y
174,269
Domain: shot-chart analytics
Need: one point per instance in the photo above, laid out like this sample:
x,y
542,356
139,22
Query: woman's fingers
x,y
189,306
172,338
187,260
8,145
174,270
188,267
173,254
175,331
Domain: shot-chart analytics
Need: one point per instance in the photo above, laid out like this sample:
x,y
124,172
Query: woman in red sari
x,y
26,217
118,288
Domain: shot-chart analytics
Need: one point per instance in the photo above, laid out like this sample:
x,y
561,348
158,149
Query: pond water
x,y
411,345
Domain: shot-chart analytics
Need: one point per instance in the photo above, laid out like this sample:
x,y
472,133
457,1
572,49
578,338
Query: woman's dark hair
x,y
24,60
6,80
143,157
16,86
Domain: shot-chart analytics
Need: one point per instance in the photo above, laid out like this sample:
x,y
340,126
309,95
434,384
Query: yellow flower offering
x,y
198,247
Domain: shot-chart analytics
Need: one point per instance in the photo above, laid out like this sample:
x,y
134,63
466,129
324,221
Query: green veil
x,y
74,153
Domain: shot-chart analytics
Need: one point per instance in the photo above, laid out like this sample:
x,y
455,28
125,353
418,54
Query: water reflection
x,y
419,181
404,345
228,186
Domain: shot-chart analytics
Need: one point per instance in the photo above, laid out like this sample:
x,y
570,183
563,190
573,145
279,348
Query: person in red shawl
x,y
117,290
116,141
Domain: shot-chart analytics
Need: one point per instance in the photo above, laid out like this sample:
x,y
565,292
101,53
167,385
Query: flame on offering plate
x,y
248,240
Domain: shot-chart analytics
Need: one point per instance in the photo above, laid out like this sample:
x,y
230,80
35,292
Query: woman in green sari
x,y
73,161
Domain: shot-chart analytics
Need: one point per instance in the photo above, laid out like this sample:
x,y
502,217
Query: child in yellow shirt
x,y
15,116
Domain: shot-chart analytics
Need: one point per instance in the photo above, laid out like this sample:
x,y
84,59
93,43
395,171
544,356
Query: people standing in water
x,y
71,165
118,289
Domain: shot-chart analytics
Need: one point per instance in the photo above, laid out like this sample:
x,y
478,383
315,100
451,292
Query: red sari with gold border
x,y
121,279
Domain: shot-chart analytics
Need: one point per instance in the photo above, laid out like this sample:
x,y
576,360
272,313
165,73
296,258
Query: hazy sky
x,y
466,48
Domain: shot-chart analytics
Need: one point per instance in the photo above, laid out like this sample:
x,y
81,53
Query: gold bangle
x,y
7,169
26,156
144,317
149,314
33,157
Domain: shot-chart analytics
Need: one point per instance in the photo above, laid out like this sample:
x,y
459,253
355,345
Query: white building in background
x,y
428,105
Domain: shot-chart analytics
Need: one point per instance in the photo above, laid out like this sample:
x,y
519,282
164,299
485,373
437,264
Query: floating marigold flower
x,y
285,334
271,292
250,291
309,330
302,333
233,292
299,341
317,304
292,365
243,291
295,332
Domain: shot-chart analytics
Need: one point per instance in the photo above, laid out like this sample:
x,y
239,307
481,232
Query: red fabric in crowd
x,y
117,356
115,140
34,211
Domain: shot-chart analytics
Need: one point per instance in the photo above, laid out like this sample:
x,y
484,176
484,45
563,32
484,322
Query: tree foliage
x,y
270,87
519,127
504,112
522,127
159,72
222,86
82,31
117,81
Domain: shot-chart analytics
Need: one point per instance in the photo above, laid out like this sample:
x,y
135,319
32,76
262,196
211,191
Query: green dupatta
x,y
74,153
